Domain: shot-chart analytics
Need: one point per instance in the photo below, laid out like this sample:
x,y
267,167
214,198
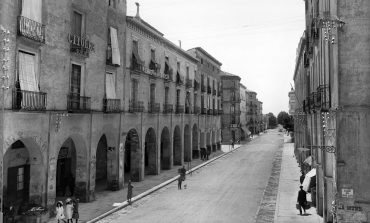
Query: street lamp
x,y
4,79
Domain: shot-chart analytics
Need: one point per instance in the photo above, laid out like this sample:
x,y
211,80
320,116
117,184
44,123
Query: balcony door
x,y
75,87
134,91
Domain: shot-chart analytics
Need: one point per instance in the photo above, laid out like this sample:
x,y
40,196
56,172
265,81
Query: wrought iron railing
x,y
78,103
324,95
210,111
167,108
153,107
111,105
179,109
189,83
167,77
136,106
29,100
137,68
31,29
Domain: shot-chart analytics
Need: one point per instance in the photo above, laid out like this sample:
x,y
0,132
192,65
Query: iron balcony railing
x,y
167,77
31,29
209,90
204,111
29,100
187,109
179,80
136,106
167,108
179,109
136,68
189,83
203,88
111,105
196,109
324,97
78,103
153,107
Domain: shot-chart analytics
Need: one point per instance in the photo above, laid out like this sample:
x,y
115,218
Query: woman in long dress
x,y
60,211
69,210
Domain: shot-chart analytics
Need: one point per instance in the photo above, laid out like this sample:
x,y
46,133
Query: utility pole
x,y
4,78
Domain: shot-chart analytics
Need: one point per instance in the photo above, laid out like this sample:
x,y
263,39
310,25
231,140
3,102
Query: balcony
x,y
29,100
153,107
210,112
196,85
219,93
187,110
214,93
209,90
196,110
78,103
235,99
189,83
31,29
111,105
179,80
234,125
204,111
323,97
203,88
80,45
136,68
136,106
179,109
167,108
167,77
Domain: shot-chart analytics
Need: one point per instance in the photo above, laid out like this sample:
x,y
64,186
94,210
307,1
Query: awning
x,y
308,160
116,58
301,149
246,131
311,173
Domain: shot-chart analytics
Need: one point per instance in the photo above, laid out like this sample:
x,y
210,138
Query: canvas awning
x,y
307,180
308,160
116,58
246,131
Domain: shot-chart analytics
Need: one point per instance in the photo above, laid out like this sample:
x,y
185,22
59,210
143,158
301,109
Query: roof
x,y
207,54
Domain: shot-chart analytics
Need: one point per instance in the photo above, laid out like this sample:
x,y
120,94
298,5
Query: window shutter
x,y
26,72
110,89
116,59
32,9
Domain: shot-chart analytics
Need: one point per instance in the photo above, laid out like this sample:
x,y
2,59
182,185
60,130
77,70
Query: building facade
x,y
292,102
332,116
95,98
252,103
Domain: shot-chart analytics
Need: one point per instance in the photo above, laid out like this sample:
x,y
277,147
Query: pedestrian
x,y
183,173
69,210
301,178
208,153
302,200
129,192
179,182
201,154
75,214
60,211
10,214
232,144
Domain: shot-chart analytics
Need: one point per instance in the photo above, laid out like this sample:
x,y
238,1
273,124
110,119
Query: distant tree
x,y
272,121
286,120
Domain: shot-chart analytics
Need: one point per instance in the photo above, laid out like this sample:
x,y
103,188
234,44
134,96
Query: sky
x,y
254,39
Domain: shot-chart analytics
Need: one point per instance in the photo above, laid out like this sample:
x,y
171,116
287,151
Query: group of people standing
x,y
204,154
70,213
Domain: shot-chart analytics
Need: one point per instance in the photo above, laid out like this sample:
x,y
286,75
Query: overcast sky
x,y
254,39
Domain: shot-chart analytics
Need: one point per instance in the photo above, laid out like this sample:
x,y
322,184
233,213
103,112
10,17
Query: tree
x,y
286,120
272,120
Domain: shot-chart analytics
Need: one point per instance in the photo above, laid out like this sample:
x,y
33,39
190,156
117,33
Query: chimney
x,y
137,10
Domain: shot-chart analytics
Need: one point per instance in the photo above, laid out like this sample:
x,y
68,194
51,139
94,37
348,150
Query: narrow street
x,y
227,190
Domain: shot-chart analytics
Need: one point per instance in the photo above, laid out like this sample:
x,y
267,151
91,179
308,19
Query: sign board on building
x,y
347,192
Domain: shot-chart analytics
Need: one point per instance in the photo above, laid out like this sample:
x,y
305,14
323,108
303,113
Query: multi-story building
x,y
95,98
252,111
292,102
244,132
207,97
331,84
260,123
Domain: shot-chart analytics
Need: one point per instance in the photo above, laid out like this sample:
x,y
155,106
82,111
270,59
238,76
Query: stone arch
x,y
150,152
165,157
23,159
195,142
177,150
132,163
187,143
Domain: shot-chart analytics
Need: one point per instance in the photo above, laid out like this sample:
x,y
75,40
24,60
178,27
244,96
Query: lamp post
x,y
4,78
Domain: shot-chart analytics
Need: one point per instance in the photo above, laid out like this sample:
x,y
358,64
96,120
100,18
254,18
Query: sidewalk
x,y
286,211
105,199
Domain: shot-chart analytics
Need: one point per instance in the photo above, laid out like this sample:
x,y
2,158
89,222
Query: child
x,y
60,211
69,208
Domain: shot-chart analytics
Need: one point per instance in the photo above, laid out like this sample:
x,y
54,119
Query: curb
x,y
155,188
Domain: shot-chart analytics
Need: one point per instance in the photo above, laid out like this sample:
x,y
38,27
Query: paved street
x,y
227,190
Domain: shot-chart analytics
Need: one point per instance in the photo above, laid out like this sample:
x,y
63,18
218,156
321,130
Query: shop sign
x,y
347,192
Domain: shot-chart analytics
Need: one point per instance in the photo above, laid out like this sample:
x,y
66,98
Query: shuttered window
x,y
134,90
110,86
77,23
116,58
76,80
32,9
27,72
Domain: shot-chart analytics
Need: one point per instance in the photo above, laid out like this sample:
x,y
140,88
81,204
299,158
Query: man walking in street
x,y
129,192
302,200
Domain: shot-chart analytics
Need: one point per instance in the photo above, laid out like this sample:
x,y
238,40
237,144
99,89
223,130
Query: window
x,y
167,65
202,101
201,60
152,65
110,86
134,90
75,87
77,23
178,97
113,45
27,78
187,73
32,10
195,99
152,93
166,90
